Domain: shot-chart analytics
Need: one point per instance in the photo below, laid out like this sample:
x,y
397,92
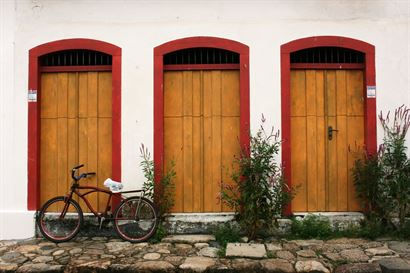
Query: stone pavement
x,y
199,253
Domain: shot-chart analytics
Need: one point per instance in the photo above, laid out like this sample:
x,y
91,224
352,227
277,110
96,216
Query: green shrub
x,y
382,180
404,231
259,192
311,227
166,192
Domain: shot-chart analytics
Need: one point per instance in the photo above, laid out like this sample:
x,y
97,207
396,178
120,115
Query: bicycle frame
x,y
75,189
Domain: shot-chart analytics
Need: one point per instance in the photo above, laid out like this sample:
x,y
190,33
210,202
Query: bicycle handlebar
x,y
77,178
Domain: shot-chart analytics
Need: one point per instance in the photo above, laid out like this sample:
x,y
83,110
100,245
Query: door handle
x,y
330,131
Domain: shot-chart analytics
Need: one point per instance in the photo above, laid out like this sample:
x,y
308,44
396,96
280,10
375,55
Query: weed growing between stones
x,y
159,234
319,227
259,191
312,226
225,234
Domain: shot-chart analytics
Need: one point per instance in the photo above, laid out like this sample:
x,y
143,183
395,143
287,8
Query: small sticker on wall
x,y
32,95
371,91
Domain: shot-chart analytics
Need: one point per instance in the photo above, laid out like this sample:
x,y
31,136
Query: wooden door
x,y
201,135
75,129
320,166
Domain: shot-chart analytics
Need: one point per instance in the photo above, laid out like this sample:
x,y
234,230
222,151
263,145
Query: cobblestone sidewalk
x,y
199,253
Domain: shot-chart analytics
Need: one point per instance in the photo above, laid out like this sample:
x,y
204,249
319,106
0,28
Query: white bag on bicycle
x,y
112,185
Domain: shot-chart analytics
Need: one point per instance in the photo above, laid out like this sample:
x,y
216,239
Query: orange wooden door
x,y
201,135
321,167
75,129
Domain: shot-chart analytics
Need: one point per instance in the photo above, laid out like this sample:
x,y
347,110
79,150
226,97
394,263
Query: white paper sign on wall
x,y
32,95
371,91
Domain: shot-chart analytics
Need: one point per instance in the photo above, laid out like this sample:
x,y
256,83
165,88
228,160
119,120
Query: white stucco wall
x,y
138,26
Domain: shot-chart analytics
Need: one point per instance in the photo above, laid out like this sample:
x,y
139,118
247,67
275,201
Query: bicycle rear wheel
x,y
60,221
135,219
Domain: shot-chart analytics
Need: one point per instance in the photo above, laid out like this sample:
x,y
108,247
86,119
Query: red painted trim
x,y
76,68
191,42
326,66
370,80
34,113
201,67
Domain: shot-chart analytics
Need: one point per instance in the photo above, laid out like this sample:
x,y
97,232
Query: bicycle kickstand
x,y
101,219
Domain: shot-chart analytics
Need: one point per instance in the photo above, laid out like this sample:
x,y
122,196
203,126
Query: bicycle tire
x,y
58,229
138,230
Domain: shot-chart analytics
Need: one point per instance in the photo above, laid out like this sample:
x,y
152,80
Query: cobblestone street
x,y
199,253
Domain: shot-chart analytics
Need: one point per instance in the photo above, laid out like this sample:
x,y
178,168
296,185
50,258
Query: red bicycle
x,y
60,219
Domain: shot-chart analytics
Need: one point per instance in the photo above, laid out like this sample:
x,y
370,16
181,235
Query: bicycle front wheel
x,y
135,219
59,220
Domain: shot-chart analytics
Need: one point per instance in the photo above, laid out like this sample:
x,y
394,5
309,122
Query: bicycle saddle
x,y
113,185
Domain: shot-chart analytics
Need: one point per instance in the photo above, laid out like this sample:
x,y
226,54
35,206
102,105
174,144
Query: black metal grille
x,y
75,58
327,55
201,55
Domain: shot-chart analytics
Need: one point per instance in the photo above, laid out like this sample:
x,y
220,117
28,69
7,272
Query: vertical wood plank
x,y
230,151
355,139
173,147
311,154
230,93
188,164
83,150
207,93
207,150
197,93
104,95
320,93
72,101
92,94
173,88
354,83
297,93
187,93
72,146
197,142
341,99
104,166
48,159
321,163
298,161
216,162
187,101
92,162
332,188
216,139
197,164
342,163
104,135
207,145
48,95
62,166
83,95
62,94
331,93
216,93
311,98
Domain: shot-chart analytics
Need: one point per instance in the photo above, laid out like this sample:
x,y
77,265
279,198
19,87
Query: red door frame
x,y
192,42
370,80
33,189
